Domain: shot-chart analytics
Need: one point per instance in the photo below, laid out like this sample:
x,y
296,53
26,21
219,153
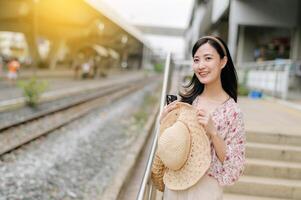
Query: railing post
x,y
269,76
276,83
286,80
147,173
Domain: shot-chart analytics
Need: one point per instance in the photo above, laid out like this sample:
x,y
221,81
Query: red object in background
x,y
13,66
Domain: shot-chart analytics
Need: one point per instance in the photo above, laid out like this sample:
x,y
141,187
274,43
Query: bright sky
x,y
174,13
169,13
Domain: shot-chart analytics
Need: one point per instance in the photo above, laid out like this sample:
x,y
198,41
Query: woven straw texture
x,y
199,159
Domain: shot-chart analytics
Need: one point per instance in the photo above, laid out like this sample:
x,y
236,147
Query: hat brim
x,y
199,158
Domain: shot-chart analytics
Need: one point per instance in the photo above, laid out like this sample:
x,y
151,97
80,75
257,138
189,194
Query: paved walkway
x,y
271,117
57,80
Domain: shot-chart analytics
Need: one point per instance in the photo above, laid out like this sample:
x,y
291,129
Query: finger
x,y
202,123
170,108
174,103
204,120
204,112
201,113
201,120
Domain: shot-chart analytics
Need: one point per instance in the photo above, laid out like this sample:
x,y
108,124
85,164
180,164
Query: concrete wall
x,y
188,42
206,20
271,13
197,23
219,7
277,13
201,22
221,30
296,38
284,14
193,34
245,45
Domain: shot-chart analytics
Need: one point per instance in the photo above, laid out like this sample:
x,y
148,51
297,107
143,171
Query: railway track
x,y
19,133
61,101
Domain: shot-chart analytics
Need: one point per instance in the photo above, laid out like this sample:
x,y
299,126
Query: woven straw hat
x,y
183,148
174,145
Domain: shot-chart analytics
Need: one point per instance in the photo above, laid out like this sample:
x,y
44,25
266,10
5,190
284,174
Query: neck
x,y
214,91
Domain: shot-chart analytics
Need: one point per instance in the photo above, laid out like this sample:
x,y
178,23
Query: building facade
x,y
254,29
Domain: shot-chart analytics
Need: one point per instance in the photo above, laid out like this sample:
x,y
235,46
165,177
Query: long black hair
x,y
228,73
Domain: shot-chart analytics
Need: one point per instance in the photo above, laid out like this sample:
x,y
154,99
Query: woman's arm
x,y
233,161
218,143
219,146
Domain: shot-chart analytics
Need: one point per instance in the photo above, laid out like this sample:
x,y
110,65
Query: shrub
x,y
158,67
32,90
242,90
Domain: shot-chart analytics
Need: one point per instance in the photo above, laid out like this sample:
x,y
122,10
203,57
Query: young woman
x,y
213,91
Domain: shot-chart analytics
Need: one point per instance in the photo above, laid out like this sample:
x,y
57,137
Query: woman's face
x,y
207,64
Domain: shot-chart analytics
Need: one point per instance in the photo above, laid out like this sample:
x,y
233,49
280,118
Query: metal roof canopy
x,y
113,16
72,20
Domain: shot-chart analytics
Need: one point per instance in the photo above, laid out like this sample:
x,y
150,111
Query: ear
x,y
224,61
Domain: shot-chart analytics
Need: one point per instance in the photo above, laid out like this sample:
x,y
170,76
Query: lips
x,y
203,74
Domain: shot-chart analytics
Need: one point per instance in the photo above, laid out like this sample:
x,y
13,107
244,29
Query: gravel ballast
x,y
79,159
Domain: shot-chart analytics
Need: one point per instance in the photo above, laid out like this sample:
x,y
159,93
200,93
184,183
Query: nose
x,y
200,65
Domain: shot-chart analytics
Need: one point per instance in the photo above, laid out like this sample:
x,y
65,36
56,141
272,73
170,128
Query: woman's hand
x,y
205,119
219,145
168,108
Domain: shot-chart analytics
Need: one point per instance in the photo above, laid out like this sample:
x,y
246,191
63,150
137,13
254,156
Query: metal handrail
x,y
143,192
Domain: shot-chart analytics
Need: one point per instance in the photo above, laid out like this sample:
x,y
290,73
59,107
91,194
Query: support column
x,y
146,59
124,60
232,32
295,53
241,45
33,49
54,53
233,29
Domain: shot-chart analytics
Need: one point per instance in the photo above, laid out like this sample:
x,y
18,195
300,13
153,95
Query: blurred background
x,y
81,82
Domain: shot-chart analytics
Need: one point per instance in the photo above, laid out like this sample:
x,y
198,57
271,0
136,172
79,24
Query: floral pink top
x,y
228,120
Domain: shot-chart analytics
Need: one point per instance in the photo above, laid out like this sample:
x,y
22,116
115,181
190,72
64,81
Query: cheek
x,y
194,68
215,68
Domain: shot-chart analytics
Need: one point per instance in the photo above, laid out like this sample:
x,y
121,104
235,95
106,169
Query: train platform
x,y
60,83
273,164
273,154
270,116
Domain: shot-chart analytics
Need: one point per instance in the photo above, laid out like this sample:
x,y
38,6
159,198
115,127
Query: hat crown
x,y
174,145
199,156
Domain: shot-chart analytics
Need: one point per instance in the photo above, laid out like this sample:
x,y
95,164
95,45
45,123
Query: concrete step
x,y
246,197
267,187
274,138
273,169
273,152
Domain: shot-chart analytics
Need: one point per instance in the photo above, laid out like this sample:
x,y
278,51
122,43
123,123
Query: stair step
x,y
274,138
246,197
267,187
273,152
270,168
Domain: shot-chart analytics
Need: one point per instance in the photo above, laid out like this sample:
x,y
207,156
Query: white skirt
x,y
206,189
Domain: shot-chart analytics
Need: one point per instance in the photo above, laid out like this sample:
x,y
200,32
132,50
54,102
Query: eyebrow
x,y
207,54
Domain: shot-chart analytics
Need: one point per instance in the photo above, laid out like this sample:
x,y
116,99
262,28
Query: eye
x,y
195,60
208,58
